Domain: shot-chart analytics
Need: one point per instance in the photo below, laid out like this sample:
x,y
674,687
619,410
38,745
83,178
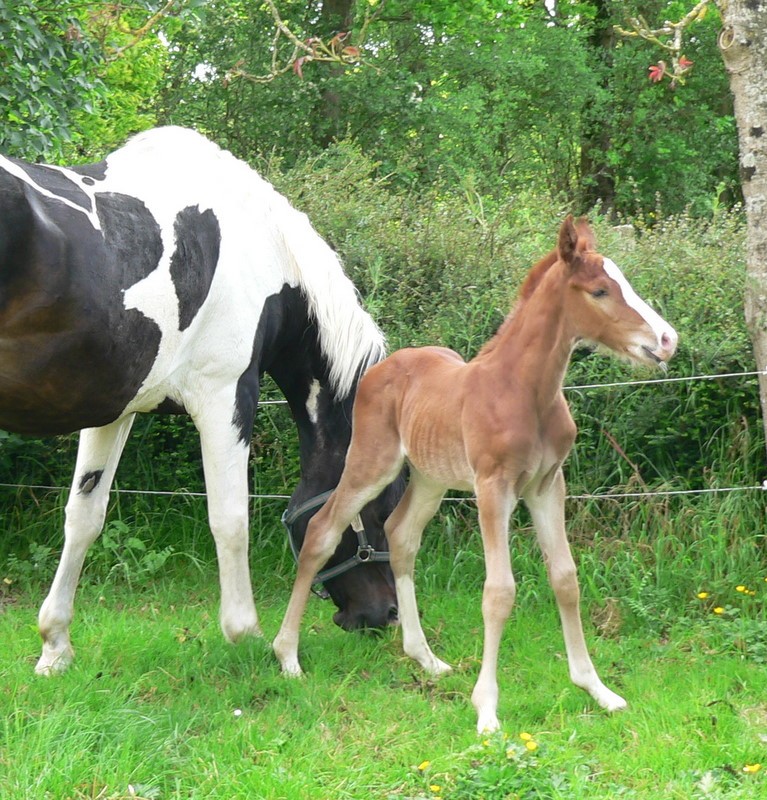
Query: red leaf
x,y
298,65
657,71
685,62
351,52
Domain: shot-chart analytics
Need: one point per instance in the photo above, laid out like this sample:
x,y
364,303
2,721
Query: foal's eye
x,y
599,293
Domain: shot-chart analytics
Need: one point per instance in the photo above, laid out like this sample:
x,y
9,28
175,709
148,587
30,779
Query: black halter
x,y
365,554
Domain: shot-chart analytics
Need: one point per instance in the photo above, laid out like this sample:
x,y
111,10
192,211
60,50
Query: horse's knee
x,y
564,582
498,597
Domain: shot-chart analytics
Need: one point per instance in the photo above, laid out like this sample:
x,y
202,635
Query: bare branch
x,y
336,50
670,37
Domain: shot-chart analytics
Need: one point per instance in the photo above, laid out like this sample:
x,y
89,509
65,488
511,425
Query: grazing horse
x,y
498,425
169,278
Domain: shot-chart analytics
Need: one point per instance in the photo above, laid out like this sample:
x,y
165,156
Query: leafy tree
x,y
47,72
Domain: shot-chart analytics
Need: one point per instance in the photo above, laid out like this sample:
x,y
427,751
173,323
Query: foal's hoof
x,y
291,668
608,700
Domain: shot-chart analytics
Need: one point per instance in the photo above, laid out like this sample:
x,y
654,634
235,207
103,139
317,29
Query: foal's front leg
x,y
98,454
547,511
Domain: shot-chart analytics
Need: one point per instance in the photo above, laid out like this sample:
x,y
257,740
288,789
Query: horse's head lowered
x,y
357,577
603,306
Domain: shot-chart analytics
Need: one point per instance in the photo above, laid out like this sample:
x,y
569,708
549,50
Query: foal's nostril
x,y
668,340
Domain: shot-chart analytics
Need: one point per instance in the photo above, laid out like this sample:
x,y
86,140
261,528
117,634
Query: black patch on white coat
x,y
90,480
73,356
131,237
193,264
55,182
91,172
283,328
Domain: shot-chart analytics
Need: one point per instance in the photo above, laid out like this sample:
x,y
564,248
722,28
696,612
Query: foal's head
x,y
602,306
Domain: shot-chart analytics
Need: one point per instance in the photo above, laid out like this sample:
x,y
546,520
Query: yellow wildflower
x,y
435,788
740,588
525,737
531,745
424,765
752,769
718,610
702,595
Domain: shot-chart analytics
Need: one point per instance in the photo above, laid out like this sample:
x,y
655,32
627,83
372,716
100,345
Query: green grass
x,y
157,705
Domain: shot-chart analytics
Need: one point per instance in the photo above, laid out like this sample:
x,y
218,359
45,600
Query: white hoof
x,y
286,651
54,662
487,722
237,631
610,701
437,667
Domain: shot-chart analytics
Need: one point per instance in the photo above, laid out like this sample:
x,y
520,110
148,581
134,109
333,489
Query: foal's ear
x,y
586,239
568,240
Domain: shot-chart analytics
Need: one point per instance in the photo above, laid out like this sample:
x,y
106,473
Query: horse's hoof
x,y
51,664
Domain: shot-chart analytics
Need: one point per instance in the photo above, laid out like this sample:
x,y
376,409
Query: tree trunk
x,y
337,16
597,179
743,43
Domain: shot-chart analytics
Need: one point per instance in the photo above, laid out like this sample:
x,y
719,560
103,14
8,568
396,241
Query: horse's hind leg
x,y
366,473
98,454
547,511
403,532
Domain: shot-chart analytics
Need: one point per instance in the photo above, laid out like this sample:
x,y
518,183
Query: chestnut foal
x,y
498,425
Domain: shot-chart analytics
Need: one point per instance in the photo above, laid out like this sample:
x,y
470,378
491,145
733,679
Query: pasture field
x,y
158,706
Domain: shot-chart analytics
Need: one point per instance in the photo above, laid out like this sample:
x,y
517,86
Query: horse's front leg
x,y
225,465
98,454
495,501
547,511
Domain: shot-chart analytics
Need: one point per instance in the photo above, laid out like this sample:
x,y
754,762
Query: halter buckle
x,y
365,552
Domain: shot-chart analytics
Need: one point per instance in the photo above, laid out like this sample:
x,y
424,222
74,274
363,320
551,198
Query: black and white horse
x,y
169,278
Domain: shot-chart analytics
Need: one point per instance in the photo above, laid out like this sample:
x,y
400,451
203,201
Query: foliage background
x,y
439,168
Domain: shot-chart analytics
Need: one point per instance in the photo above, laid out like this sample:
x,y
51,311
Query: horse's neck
x,y
324,433
533,346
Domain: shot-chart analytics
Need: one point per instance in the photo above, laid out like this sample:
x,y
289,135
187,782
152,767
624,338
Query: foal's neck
x,y
533,345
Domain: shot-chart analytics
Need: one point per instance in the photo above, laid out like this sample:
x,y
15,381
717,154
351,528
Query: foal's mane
x,y
529,285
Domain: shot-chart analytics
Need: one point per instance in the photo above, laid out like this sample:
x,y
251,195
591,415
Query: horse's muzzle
x,y
367,620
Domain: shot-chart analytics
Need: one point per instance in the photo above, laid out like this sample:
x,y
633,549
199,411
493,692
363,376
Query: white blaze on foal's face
x,y
666,337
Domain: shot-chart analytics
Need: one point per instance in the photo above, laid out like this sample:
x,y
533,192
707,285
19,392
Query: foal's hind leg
x,y
547,511
365,476
403,532
98,454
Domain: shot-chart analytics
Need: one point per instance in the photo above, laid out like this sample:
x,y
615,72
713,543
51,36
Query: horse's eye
x,y
599,293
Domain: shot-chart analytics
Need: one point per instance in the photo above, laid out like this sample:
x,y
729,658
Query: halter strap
x,y
366,553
